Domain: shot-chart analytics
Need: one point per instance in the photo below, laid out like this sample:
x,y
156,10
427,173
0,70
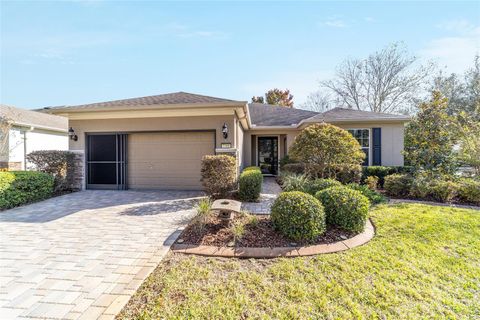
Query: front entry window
x,y
363,138
268,155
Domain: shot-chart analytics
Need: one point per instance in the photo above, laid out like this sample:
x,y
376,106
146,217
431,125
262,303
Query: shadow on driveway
x,y
148,202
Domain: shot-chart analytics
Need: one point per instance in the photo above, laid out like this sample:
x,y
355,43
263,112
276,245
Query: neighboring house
x,y
23,131
158,141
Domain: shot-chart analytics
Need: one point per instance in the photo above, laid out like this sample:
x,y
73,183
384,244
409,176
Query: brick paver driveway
x,y
84,254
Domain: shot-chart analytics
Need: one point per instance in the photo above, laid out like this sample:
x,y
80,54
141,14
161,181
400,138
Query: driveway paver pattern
x,y
82,255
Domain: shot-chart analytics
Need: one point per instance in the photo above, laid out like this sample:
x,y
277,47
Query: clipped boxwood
x,y
21,187
469,190
316,185
298,216
398,185
252,168
219,175
250,183
382,171
345,208
373,196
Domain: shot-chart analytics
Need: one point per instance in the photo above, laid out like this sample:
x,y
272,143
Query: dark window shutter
x,y
377,147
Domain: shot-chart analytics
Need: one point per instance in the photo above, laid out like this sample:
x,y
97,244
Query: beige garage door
x,y
167,160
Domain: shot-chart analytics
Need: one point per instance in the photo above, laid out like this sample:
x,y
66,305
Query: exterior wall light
x,y
225,131
72,135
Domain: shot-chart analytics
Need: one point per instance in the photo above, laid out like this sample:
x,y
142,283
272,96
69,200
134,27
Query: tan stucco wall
x,y
152,124
392,141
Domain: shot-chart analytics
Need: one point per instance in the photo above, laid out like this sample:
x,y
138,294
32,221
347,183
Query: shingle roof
x,y
270,115
24,117
345,114
161,99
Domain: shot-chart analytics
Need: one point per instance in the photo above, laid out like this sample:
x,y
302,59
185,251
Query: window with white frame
x,y
363,138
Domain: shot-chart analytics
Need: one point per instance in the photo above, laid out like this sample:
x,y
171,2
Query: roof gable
x,y
175,98
271,115
22,117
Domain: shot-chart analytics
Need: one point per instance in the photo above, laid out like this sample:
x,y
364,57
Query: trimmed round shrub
x,y
219,175
469,191
250,184
298,216
251,168
398,185
297,168
372,196
345,208
22,187
316,185
444,191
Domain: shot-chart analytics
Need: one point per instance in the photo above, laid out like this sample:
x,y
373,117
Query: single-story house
x,y
23,131
157,142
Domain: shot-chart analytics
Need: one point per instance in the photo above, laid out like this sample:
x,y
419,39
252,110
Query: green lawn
x,y
423,263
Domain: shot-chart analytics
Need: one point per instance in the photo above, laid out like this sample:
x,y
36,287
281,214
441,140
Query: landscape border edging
x,y
275,252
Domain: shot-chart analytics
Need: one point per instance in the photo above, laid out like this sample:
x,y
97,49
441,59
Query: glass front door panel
x,y
268,155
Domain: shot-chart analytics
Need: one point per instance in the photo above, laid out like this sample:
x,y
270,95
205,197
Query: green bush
x,y
250,184
398,185
297,168
285,160
444,191
373,196
382,171
469,190
345,208
22,187
219,174
372,182
252,168
313,186
298,216
295,182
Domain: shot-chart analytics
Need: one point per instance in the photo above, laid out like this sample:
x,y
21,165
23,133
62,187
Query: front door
x,y
268,155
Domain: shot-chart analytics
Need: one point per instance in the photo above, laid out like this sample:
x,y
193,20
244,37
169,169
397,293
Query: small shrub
x,y
382,171
373,196
297,168
286,160
421,187
203,209
398,185
252,168
313,186
469,191
444,191
348,174
372,182
298,216
60,164
295,182
345,208
238,230
250,184
218,175
22,187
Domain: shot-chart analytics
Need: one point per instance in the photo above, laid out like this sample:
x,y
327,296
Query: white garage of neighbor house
x,y
157,142
24,131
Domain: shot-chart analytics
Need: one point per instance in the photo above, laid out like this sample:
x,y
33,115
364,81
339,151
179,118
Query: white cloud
x,y
457,50
334,22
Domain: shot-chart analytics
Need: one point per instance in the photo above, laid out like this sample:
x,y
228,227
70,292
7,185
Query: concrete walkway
x,y
82,255
270,191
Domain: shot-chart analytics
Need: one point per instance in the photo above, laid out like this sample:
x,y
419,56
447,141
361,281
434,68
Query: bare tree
x,y
386,81
5,125
317,101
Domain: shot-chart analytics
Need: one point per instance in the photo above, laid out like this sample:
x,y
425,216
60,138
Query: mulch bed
x,y
258,232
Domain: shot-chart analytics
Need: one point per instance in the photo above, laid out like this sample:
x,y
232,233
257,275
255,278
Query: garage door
x,y
167,160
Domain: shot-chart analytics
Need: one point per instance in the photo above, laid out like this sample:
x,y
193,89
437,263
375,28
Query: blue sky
x,y
65,53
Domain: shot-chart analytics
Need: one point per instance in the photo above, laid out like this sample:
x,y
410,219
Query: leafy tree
x,y
385,81
327,151
463,93
258,99
467,127
429,139
276,97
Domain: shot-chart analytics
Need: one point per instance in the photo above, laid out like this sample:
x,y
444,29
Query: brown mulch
x,y
259,232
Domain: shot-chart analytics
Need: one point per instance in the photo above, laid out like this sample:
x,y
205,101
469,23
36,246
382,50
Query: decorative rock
x,y
343,237
293,244
180,241
231,244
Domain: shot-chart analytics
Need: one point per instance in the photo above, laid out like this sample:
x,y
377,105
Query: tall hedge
x,y
21,187
250,184
219,175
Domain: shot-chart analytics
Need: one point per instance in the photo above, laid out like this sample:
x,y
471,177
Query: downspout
x,y
24,150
